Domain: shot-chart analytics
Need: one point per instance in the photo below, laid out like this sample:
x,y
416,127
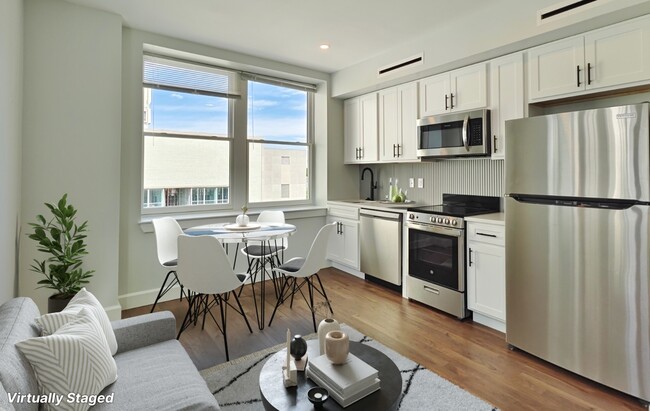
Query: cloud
x,y
176,95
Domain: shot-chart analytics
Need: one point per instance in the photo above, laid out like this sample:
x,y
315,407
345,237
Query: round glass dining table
x,y
266,235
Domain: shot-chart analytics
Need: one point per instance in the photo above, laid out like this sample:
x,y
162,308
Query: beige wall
x,y
71,140
11,59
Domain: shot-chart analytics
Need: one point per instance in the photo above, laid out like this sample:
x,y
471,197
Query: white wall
x,y
140,274
72,127
11,97
503,27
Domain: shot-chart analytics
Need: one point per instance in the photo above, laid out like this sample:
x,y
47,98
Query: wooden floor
x,y
470,355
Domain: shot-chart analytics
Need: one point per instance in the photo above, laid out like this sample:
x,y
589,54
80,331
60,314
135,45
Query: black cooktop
x,y
458,205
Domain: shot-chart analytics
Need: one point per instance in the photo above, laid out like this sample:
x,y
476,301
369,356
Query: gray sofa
x,y
154,371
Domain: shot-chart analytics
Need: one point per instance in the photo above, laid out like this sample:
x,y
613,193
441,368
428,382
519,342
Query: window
x,y
186,130
194,149
278,143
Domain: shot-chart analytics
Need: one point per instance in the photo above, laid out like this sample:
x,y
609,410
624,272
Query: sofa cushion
x,y
158,377
75,359
84,298
17,324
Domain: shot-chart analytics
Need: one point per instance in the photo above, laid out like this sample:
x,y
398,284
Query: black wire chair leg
x,y
242,312
277,303
223,307
163,290
310,288
188,317
327,300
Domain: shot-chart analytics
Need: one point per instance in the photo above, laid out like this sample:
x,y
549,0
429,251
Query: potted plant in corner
x,y
63,240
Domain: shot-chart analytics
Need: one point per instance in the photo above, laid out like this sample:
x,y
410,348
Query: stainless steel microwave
x,y
454,134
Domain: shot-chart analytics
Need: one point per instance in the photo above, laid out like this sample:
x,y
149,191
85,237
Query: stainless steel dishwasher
x,y
381,245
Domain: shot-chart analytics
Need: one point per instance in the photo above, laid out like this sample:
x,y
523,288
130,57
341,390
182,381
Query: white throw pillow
x,y
75,359
49,323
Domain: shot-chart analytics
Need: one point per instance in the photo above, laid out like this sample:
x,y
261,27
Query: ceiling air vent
x,y
416,60
566,8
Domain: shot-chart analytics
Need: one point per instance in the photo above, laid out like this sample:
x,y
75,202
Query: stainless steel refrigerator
x,y
577,226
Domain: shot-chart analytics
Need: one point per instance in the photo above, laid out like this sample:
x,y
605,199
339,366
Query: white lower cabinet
x,y
343,247
486,274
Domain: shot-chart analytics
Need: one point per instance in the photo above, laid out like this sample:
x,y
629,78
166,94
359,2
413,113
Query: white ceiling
x,y
291,31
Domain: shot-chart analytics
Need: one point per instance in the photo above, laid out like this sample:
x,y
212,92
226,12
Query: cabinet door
x,y
618,55
369,128
343,246
434,94
468,88
506,97
388,124
407,101
556,68
486,288
352,130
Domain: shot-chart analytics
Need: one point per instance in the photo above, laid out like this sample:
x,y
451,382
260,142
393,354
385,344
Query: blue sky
x,y
276,113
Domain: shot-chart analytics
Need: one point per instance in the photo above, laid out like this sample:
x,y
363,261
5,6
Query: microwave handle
x,y
465,127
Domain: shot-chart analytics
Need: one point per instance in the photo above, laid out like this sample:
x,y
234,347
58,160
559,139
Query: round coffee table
x,y
276,397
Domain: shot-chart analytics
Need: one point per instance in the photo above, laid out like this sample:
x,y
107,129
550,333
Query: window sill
x,y
187,220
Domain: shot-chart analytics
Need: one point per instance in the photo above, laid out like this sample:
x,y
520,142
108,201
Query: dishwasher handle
x,y
380,214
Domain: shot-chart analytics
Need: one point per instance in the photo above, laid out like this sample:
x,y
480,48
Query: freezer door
x,y
601,153
578,292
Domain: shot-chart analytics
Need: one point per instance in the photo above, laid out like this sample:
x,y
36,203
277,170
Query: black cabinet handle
x,y
451,100
588,73
486,235
578,75
470,257
446,105
394,155
495,143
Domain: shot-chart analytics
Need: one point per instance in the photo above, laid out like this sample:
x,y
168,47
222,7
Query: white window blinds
x,y
176,75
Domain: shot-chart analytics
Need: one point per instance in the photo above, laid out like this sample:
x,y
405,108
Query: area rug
x,y
235,383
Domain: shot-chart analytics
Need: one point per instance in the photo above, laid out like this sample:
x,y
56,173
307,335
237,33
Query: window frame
x,y
310,156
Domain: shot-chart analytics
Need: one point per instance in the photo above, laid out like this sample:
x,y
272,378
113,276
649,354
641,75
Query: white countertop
x,y
493,218
375,205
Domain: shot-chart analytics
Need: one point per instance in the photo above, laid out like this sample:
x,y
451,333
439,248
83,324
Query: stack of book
x,y
346,383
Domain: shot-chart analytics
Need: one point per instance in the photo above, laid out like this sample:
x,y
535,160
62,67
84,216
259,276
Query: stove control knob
x,y
454,222
432,219
446,221
411,217
439,220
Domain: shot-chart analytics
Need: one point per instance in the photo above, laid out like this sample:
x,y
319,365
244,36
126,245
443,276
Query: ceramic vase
x,y
337,347
242,220
298,347
325,326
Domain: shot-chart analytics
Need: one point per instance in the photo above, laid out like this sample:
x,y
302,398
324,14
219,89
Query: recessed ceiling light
x,y
324,46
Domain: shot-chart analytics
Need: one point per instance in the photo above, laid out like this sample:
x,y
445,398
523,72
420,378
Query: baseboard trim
x,y
348,270
114,312
147,297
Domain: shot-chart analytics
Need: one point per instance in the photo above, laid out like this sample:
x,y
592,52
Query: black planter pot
x,y
57,303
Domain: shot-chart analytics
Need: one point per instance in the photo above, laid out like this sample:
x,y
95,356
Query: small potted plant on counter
x,y
63,240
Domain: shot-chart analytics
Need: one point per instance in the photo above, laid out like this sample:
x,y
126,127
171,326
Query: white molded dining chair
x,y
204,268
256,252
167,231
306,269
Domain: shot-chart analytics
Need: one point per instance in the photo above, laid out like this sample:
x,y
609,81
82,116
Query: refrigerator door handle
x,y
465,127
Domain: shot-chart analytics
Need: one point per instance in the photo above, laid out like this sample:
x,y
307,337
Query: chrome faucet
x,y
373,183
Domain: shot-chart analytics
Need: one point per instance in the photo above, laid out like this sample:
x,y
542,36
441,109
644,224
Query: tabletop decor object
x,y
317,396
289,371
242,220
337,346
325,326
299,352
63,239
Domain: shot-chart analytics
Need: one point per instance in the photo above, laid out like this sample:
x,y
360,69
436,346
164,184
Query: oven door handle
x,y
453,232
465,132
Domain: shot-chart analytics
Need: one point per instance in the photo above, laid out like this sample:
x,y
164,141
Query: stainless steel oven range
x,y
436,250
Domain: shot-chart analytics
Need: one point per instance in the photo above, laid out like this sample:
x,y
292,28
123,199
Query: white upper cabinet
x,y
398,115
506,97
602,59
361,130
458,90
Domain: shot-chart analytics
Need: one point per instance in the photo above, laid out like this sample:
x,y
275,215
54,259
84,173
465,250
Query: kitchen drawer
x,y
436,296
351,213
486,233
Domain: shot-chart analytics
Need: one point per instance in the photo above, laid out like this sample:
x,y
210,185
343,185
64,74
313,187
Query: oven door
x,y
437,255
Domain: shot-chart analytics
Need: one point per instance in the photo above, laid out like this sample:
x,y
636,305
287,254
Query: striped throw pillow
x,y
75,359
49,323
